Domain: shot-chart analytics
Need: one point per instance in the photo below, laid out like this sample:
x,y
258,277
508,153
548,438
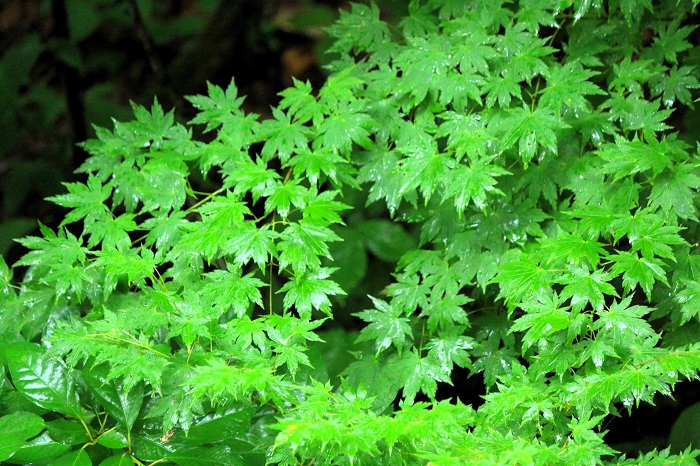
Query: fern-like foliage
x,y
543,229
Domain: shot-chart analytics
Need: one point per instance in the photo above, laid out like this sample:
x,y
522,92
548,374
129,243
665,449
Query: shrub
x,y
542,226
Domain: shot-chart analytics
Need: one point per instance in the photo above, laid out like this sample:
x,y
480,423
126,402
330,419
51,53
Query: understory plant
x,y
516,164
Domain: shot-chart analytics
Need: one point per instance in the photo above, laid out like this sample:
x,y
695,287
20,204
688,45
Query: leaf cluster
x,y
542,224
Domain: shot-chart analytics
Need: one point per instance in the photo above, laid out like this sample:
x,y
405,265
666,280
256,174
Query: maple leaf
x,y
284,197
675,85
520,278
473,183
620,320
674,192
573,249
86,201
250,242
228,289
301,104
423,376
311,164
283,137
309,291
358,30
531,129
625,158
216,108
568,86
638,270
544,316
386,326
671,41
689,300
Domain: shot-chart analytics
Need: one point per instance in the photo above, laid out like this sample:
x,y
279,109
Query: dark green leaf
x,y
44,380
16,428
123,406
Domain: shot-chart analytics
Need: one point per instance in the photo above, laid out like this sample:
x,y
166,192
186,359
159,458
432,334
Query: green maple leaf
x,y
85,200
473,183
156,124
625,158
656,239
674,193
216,108
531,129
632,10
246,175
422,63
164,230
136,265
301,104
382,171
446,312
228,289
592,220
523,52
311,164
502,88
572,249
322,210
53,250
544,316
635,113
457,88
309,291
675,85
596,351
163,184
301,243
689,300
568,86
539,179
466,134
409,293
381,378
345,126
386,326
283,137
629,75
634,225
423,376
113,232
672,40
474,51
247,241
520,278
584,287
531,18
291,355
359,30
192,320
450,349
285,196
340,89
620,321
246,332
638,270
423,169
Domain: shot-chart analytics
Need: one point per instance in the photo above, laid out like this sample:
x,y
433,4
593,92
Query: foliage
x,y
543,219
59,73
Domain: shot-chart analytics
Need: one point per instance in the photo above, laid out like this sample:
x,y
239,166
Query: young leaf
x,y
386,326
